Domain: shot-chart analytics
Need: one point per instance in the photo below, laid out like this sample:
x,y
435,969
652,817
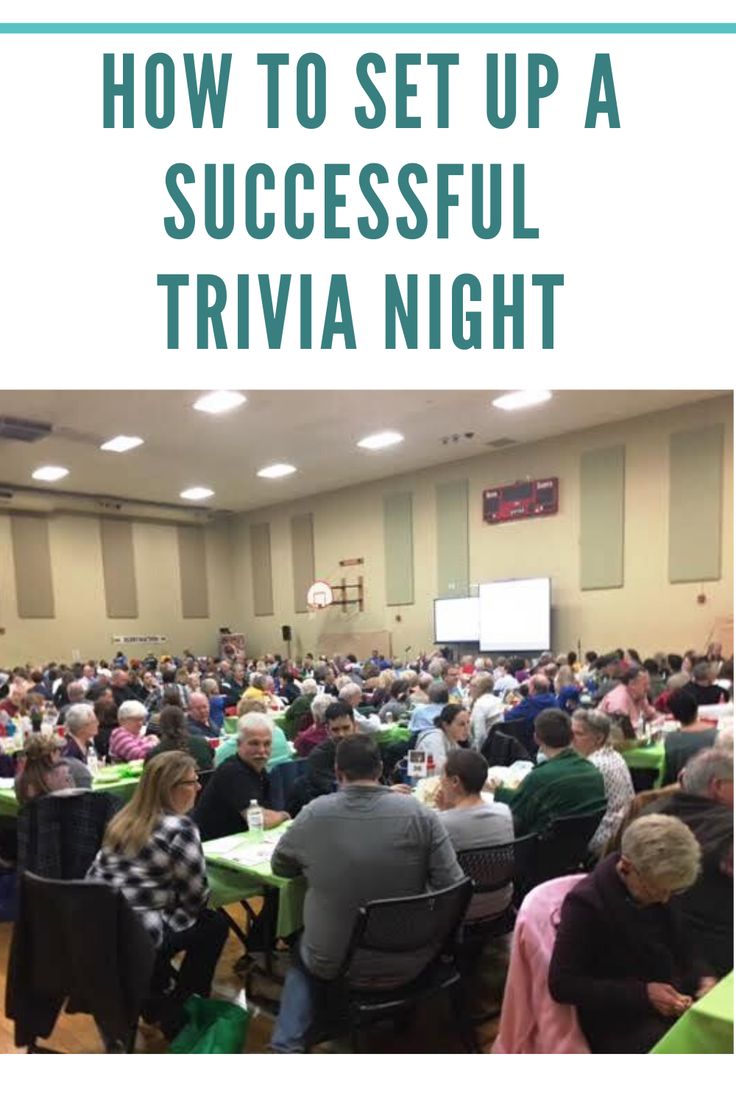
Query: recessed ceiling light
x,y
50,473
381,440
276,471
217,402
516,400
195,493
121,444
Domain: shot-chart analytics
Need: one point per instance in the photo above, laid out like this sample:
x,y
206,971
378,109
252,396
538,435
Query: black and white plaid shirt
x,y
166,882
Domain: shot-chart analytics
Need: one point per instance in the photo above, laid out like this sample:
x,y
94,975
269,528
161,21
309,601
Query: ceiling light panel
x,y
277,471
50,473
121,444
518,400
381,440
217,402
194,494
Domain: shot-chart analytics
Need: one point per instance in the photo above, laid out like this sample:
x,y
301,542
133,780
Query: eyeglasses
x,y
656,892
188,782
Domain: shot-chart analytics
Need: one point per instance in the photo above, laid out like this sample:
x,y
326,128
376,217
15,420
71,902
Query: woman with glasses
x,y
622,954
152,851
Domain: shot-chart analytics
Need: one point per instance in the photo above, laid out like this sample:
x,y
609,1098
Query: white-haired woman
x,y
310,738
622,955
127,742
591,732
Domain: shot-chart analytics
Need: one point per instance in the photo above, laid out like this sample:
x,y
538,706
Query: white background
x,y
639,220
456,620
515,615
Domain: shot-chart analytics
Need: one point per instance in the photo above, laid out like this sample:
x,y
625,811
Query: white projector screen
x,y
515,616
456,620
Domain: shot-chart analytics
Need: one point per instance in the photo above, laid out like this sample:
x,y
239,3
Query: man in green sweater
x,y
564,784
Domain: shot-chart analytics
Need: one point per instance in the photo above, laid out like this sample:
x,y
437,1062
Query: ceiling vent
x,y
501,442
21,429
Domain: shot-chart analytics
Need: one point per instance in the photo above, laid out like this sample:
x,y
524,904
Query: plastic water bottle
x,y
93,762
254,818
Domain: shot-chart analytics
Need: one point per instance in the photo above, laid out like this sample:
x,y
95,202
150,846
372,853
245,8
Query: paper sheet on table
x,y
243,851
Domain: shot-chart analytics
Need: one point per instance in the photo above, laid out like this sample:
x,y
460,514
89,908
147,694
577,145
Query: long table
x,y
648,757
392,734
706,1027
235,872
122,783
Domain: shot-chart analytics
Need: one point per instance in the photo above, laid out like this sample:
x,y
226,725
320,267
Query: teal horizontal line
x,y
367,28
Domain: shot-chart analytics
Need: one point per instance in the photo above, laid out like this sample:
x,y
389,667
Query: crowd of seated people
x,y
669,859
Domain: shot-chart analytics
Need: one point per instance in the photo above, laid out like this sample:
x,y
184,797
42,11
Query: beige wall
x,y
81,623
647,612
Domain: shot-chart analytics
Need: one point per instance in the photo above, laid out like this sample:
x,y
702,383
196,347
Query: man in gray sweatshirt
x,y
361,844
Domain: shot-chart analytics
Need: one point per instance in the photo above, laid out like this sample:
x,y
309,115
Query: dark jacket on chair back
x,y
80,942
59,834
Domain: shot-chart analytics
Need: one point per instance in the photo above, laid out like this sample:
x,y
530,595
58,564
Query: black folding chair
x,y
492,871
563,846
500,749
282,780
643,778
203,778
405,946
523,731
525,852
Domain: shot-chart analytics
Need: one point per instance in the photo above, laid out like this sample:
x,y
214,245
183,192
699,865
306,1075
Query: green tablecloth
x,y
232,880
706,1028
647,757
392,735
110,781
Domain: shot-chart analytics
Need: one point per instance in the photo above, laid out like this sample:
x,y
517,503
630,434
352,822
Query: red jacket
x,y
309,739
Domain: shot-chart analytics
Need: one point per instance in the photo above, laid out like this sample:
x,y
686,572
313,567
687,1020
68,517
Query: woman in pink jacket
x,y
126,741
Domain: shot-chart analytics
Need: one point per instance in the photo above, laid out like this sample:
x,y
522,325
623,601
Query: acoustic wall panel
x,y
193,571
453,550
260,556
696,492
34,585
302,559
602,481
398,539
118,568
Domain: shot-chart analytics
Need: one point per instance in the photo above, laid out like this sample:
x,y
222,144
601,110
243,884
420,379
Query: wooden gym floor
x,y
77,1034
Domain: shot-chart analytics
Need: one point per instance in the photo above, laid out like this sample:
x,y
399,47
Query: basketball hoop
x,y
319,596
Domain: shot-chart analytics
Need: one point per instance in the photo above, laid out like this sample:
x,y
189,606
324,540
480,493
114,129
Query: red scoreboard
x,y
516,501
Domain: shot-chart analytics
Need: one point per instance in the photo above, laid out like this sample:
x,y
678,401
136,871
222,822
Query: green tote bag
x,y
212,1027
